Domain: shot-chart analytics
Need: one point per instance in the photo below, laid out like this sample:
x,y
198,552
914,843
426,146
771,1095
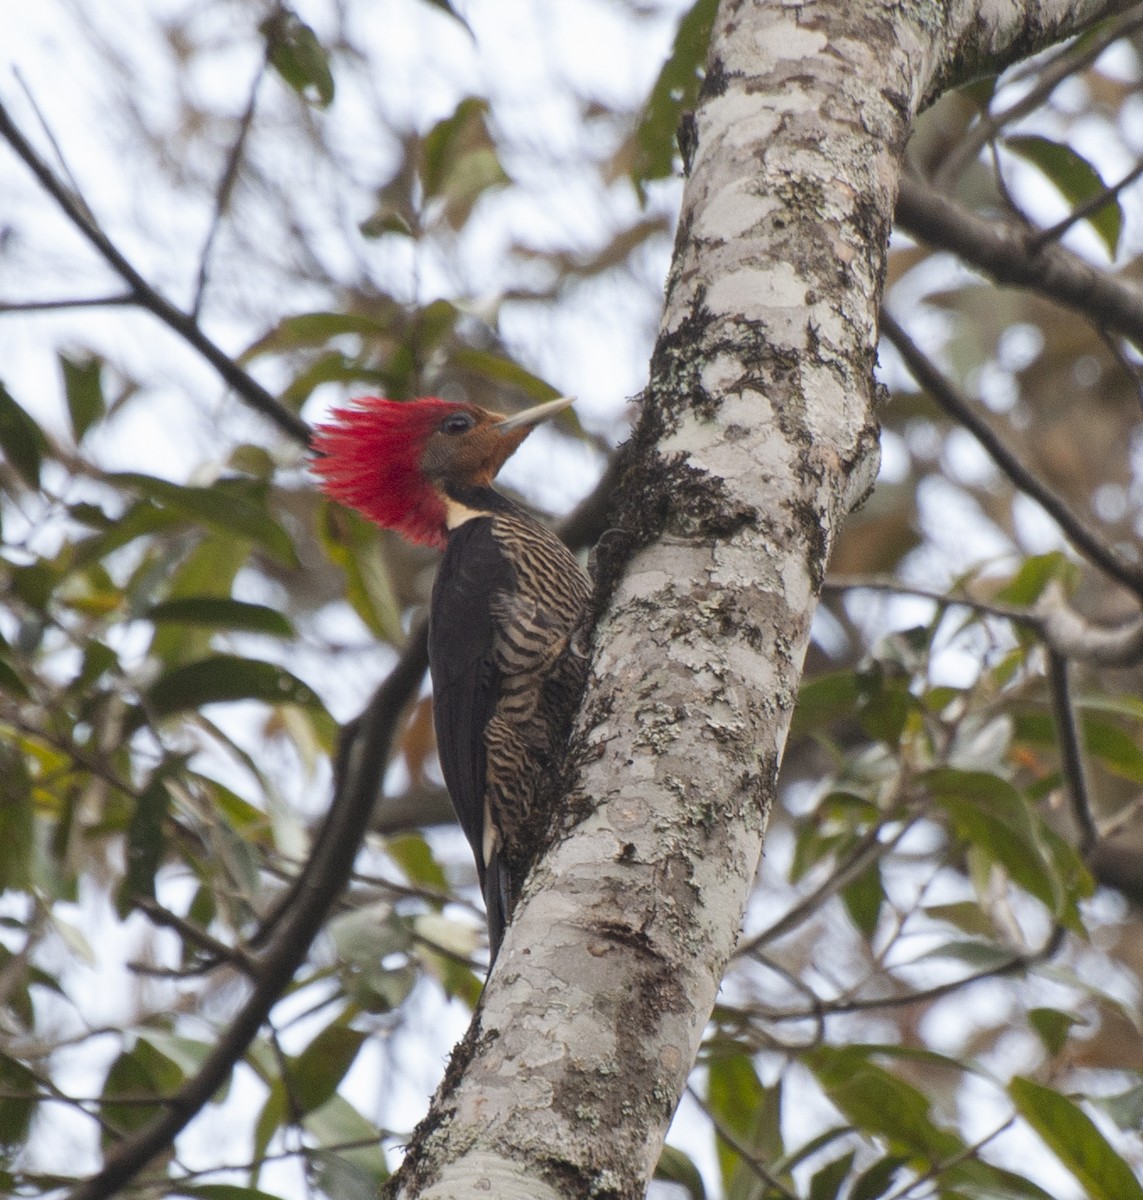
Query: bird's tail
x,y
496,902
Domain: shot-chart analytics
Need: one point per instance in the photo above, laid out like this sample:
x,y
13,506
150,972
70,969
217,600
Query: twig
x,y
224,190
27,306
744,1152
947,1164
281,1155
46,129
868,848
1092,205
887,583
252,392
1071,754
1060,627
1085,539
235,956
1073,637
833,1008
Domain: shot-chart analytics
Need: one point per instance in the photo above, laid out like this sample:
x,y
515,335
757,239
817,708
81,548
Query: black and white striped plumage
x,y
507,669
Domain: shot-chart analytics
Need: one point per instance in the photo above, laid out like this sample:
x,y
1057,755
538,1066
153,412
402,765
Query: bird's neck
x,y
465,502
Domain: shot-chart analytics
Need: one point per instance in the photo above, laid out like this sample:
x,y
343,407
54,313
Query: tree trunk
x,y
757,437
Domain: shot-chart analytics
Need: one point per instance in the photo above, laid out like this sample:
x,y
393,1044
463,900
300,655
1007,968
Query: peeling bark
x,y
757,437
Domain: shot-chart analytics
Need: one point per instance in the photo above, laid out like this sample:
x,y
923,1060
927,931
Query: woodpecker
x,y
508,608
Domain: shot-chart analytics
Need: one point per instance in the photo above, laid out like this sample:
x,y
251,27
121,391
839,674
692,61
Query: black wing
x,y
466,682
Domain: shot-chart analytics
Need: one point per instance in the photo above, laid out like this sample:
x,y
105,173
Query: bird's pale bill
x,y
535,414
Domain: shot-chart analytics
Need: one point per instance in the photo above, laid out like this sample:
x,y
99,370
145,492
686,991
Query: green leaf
x,y
812,847
676,1167
221,612
17,827
884,708
230,506
297,55
1034,575
16,1110
824,699
142,1071
1052,1027
984,956
412,854
83,387
386,219
223,678
445,7
11,682
1124,1108
145,843
880,1103
98,660
314,1075
312,329
965,915
21,439
1116,749
459,160
351,543
208,570
992,816
675,91
826,1182
363,1168
876,1180
1073,1137
270,1120
503,370
750,1111
1075,178
339,1178
863,898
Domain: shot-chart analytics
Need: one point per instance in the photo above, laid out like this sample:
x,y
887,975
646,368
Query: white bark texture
x,y
758,435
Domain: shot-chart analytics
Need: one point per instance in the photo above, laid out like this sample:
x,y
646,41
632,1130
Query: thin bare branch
x,y
245,386
1084,538
1015,965
235,956
1071,754
888,583
1073,637
225,189
867,850
1058,625
744,1152
1092,205
57,150
31,306
954,1160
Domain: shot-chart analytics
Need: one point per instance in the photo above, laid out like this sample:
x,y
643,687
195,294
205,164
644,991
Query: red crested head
x,y
370,460
396,462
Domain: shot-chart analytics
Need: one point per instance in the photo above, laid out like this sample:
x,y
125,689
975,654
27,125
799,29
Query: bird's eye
x,y
459,422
